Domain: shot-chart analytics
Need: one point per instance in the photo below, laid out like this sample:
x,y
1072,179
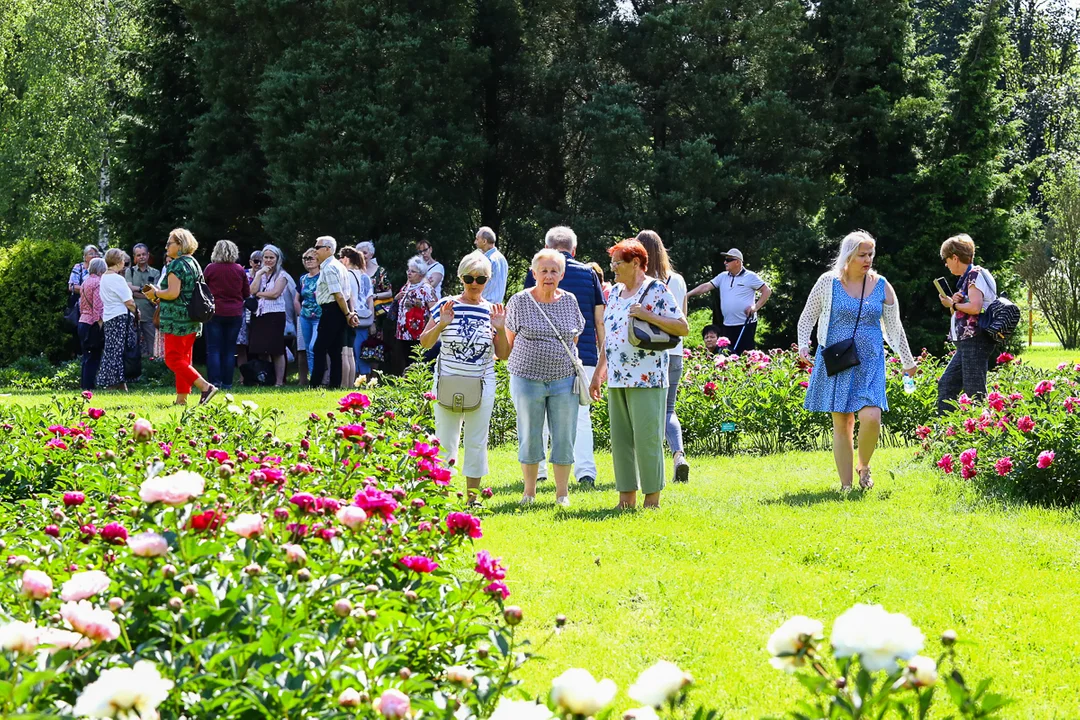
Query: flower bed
x,y
1022,441
213,569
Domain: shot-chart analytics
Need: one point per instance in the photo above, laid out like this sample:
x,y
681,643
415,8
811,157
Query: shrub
x,y
33,297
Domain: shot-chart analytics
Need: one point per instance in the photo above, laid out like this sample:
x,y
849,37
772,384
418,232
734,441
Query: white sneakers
x,y
564,501
528,499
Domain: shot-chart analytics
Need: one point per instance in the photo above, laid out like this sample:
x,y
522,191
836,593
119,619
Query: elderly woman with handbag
x,y
642,322
472,333
856,312
118,313
542,326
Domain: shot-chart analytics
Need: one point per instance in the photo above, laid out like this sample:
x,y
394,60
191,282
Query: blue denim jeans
x,y
672,427
220,334
307,330
363,367
536,401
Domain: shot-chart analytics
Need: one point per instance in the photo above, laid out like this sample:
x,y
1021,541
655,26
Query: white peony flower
x,y
126,693
658,684
878,637
921,671
250,405
790,638
83,585
520,710
18,636
175,490
578,691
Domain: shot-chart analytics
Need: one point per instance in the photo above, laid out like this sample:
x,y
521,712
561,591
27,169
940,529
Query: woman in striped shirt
x,y
473,333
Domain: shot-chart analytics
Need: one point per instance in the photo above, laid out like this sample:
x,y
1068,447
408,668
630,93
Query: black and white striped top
x,y
468,343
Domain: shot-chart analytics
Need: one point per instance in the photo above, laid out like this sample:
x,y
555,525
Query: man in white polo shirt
x,y
742,294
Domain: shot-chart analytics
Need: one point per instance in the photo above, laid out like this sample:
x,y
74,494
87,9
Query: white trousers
x,y
584,462
477,423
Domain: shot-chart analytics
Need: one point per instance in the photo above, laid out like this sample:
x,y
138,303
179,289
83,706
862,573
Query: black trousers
x,y
740,345
965,372
330,340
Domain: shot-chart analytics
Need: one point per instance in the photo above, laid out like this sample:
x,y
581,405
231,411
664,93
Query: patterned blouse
x,y
538,353
629,366
309,308
174,315
413,311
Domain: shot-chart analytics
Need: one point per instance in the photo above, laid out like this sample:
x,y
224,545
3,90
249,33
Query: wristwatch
x,y
954,307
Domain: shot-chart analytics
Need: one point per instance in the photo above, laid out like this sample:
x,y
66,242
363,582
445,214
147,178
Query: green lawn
x,y
752,541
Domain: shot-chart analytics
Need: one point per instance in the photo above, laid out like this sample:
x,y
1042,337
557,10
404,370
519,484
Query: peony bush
x,y
1021,441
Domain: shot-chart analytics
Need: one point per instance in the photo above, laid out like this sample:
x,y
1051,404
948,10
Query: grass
x,y
752,541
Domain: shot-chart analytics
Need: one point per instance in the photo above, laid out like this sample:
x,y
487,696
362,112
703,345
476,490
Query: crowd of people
x,y
565,336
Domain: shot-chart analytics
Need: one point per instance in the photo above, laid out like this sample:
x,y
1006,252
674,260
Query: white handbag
x,y
581,380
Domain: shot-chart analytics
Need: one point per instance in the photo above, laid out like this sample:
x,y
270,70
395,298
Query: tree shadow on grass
x,y
806,498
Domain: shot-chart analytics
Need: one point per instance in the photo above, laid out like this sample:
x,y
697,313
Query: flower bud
x,y
371,589
169,571
254,569
52,531
342,607
404,673
350,643
349,698
411,595
303,575
142,430
175,604
116,603
512,614
189,591
560,621
948,638
483,651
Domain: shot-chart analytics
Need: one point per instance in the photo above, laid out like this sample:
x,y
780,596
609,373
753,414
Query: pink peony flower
x,y
72,499
148,544
89,621
1043,387
84,585
36,585
1046,459
498,588
393,704
489,566
804,384
142,430
970,425
19,637
459,523
995,401
175,490
946,463
114,533
219,455
247,525
376,502
1063,366
968,471
352,431
351,516
52,530
95,413
56,444
305,502
950,431
429,396
964,399
1070,403
425,450
723,342
354,401
1004,358
87,395
709,389
327,506
294,554
59,640
1025,424
922,432
1003,466
419,563
968,457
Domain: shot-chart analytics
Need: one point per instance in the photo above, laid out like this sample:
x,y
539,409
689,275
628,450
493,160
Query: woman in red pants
x,y
178,329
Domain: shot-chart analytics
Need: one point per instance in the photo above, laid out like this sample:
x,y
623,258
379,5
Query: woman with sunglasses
x,y
472,333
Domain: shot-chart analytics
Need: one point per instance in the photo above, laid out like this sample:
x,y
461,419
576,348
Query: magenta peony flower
x,y
351,516
281,513
709,389
36,585
376,502
52,531
1043,387
89,621
489,566
219,455
304,501
1004,358
84,585
327,506
968,457
922,432
1025,424
115,534
419,563
247,525
968,471
354,401
393,704
995,401
804,384
142,430
174,490
1003,466
95,413
425,527
498,588
950,431
148,544
946,463
429,396
425,450
352,431
459,523
56,444
1046,459
87,395
970,425
1070,403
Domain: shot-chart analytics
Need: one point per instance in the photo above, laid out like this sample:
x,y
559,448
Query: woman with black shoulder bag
x,y
856,313
473,333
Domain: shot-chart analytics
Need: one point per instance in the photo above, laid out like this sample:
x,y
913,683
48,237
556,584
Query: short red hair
x,y
630,249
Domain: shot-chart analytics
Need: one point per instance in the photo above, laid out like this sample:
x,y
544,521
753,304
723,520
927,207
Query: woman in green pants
x,y
637,379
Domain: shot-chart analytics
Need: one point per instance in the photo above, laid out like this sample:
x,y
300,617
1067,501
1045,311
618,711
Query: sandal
x,y
866,482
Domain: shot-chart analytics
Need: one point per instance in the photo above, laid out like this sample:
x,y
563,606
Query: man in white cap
x,y
742,294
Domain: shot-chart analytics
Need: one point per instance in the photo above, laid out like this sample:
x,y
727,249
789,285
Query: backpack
x,y
1000,318
200,307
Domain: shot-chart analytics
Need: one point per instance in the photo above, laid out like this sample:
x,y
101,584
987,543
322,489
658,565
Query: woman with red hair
x,y
637,378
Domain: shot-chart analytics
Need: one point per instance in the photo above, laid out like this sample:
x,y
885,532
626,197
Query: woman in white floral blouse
x,y
637,379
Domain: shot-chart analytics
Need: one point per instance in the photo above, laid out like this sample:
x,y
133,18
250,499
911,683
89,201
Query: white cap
x,y
735,253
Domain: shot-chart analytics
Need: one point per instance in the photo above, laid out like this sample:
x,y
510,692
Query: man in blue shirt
x,y
495,289
580,280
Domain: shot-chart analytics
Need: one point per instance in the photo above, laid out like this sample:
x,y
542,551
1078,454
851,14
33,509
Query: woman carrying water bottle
x,y
852,302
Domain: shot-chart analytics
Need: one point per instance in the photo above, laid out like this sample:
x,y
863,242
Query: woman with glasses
x,y
307,315
637,378
229,285
472,333
542,323
177,327
414,301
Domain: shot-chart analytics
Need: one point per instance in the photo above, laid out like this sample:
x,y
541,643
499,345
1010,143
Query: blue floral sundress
x,y
863,385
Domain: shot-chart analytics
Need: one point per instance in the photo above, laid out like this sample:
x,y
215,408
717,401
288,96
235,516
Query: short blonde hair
x,y
475,263
115,256
549,254
188,243
962,246
225,251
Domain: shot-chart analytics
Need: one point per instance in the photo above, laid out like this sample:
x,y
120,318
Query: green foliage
x,y
33,298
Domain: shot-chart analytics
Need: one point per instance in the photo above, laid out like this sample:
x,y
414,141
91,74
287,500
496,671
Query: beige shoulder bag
x,y
581,380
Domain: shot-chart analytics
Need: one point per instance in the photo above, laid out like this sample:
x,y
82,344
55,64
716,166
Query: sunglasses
x,y
727,260
470,279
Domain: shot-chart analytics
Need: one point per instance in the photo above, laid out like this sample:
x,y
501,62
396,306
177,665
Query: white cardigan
x,y
819,309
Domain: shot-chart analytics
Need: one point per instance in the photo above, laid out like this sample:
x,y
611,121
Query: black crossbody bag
x,y
843,355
